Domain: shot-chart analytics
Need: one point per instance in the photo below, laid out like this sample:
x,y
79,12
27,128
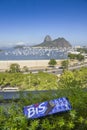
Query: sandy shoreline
x,y
4,65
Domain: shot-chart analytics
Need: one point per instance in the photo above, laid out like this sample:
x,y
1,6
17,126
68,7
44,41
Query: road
x,y
55,70
77,67
59,71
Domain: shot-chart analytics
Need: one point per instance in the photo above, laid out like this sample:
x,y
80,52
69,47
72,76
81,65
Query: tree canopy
x,y
65,64
78,57
52,62
14,68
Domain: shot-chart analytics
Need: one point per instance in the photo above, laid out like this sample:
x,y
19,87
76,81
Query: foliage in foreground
x,y
70,84
45,81
76,119
75,79
29,81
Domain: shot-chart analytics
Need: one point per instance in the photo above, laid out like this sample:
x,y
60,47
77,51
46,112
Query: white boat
x,y
10,89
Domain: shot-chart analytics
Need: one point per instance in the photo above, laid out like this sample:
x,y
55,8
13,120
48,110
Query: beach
x,y
4,65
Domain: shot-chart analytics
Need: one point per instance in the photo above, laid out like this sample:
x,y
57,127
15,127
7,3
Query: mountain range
x,y
59,42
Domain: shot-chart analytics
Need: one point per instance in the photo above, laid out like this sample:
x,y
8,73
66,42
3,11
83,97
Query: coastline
x,y
4,65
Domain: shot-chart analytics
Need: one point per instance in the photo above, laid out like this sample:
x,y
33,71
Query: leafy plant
x,y
14,68
52,62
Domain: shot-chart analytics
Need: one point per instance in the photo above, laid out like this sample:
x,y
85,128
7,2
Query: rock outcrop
x,y
59,43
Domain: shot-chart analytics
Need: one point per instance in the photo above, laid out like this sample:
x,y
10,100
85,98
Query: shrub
x,y
76,119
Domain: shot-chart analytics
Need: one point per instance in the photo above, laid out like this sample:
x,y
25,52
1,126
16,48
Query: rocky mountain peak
x,y
47,39
58,43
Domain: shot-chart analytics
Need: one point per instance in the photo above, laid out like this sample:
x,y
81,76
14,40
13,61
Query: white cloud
x,y
11,44
20,43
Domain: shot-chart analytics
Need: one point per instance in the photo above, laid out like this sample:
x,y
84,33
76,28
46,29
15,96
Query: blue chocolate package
x,y
47,108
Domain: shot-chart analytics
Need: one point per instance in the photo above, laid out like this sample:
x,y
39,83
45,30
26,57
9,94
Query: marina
x,y
31,53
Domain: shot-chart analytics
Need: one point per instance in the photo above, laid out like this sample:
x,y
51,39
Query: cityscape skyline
x,y
29,21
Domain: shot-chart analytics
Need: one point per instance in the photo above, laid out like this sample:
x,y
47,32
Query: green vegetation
x,y
39,81
45,81
25,69
52,62
78,57
65,64
13,118
14,68
71,84
75,79
82,50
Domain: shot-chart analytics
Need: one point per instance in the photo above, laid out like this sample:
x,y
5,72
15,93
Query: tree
x,y
25,69
72,56
65,64
80,57
52,62
14,68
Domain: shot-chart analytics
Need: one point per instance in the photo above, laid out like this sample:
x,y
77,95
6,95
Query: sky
x,y
29,21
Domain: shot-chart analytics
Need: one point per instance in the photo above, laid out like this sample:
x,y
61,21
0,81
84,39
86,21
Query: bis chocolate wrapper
x,y
47,108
